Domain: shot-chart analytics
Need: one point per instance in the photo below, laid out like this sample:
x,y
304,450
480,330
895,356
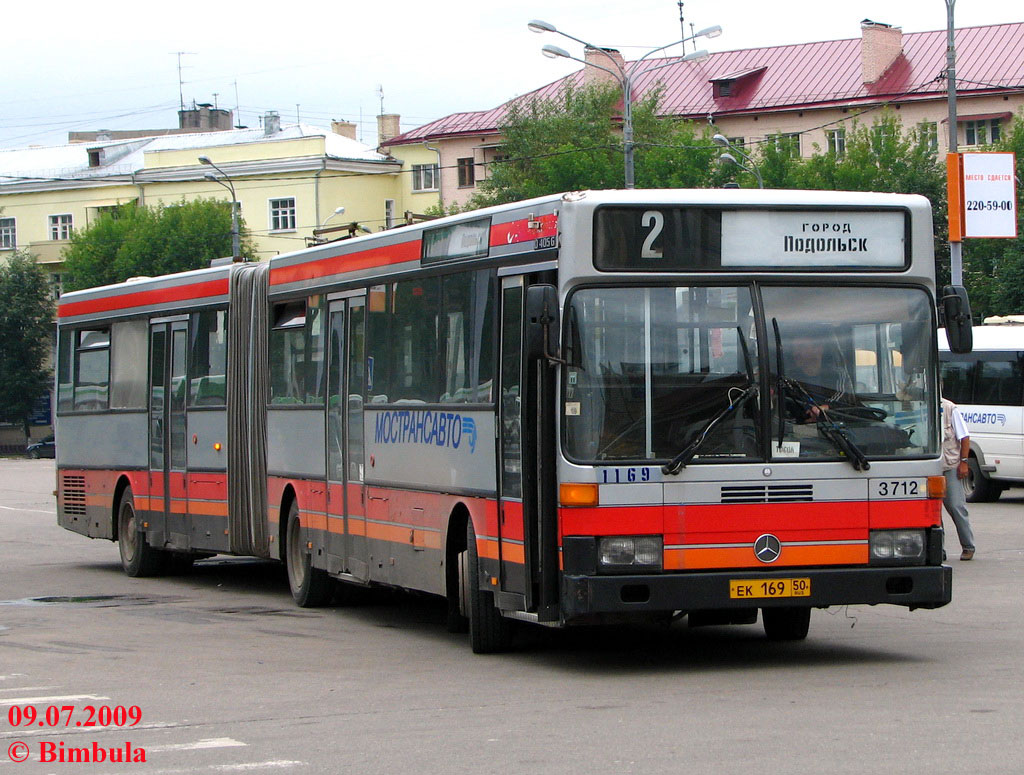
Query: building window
x,y
981,132
60,227
467,172
56,285
737,142
882,135
424,177
836,142
8,234
928,135
282,214
788,144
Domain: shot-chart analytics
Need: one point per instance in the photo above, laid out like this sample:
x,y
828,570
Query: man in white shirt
x,y
956,446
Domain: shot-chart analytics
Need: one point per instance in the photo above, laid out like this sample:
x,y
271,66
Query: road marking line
x,y
37,700
215,742
32,511
279,765
28,689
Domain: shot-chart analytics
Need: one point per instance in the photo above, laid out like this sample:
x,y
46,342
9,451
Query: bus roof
x,y
991,337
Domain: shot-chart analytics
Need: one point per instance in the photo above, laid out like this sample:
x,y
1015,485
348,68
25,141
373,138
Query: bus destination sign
x,y
674,239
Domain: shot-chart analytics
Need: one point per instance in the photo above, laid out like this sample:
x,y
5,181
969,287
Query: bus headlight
x,y
624,554
897,547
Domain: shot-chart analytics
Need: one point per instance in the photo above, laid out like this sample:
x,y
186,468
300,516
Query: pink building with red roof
x,y
808,92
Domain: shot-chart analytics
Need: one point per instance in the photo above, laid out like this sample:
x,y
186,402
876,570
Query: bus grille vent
x,y
767,493
74,494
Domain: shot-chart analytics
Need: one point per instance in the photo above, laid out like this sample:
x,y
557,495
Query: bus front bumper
x,y
914,587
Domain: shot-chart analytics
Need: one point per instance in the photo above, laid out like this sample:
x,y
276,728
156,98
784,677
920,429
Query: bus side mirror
x,y
956,310
542,322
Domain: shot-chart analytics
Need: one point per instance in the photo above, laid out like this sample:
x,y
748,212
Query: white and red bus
x,y
584,408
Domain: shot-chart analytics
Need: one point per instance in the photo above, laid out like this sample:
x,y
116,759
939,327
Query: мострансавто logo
x,y
427,427
983,418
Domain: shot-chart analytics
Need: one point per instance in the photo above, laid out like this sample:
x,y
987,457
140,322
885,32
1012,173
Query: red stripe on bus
x,y
144,298
911,513
348,262
514,232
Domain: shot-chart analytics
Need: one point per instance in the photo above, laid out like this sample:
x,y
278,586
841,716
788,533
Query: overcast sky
x,y
112,65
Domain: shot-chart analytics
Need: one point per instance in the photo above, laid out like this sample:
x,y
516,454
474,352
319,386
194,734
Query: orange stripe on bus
x,y
743,557
512,552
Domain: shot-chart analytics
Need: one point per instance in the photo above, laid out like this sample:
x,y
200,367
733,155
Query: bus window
x,y
956,381
129,343
297,373
208,353
998,383
92,370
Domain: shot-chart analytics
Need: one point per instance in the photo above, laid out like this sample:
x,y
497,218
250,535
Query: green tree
x,y
26,330
882,156
574,142
134,241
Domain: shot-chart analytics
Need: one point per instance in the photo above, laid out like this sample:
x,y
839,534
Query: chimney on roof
x,y
596,58
204,117
880,46
344,128
271,123
387,127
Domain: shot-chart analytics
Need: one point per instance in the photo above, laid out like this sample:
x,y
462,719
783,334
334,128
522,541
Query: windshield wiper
x,y
828,428
690,450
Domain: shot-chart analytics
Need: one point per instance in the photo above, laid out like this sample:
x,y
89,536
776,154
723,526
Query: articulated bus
x,y
585,408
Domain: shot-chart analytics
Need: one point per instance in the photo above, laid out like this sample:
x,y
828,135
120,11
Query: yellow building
x,y
288,180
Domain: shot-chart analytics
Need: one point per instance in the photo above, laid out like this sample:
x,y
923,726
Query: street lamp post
x,y
956,261
624,76
236,246
750,166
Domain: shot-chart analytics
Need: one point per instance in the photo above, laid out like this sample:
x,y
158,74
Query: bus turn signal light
x,y
936,487
577,494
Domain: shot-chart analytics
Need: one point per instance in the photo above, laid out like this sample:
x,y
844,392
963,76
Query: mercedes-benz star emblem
x,y
767,548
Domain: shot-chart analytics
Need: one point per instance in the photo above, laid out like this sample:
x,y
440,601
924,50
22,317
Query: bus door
x,y
346,538
516,536
167,428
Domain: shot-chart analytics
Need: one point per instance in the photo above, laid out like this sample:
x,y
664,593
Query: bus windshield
x,y
661,371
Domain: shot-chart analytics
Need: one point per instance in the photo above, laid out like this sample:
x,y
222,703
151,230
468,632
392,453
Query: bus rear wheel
x,y
489,631
138,558
311,587
786,623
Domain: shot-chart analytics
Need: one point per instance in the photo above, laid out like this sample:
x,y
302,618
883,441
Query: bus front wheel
x,y
489,631
311,587
786,623
138,558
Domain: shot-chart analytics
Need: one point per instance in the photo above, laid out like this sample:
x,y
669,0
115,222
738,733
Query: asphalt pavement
x,y
225,674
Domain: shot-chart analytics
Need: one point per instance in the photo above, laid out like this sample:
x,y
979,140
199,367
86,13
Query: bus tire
x,y
788,623
311,587
489,631
138,558
978,488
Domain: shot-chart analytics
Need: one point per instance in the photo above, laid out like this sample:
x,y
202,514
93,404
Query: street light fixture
x,y
750,165
624,76
236,247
